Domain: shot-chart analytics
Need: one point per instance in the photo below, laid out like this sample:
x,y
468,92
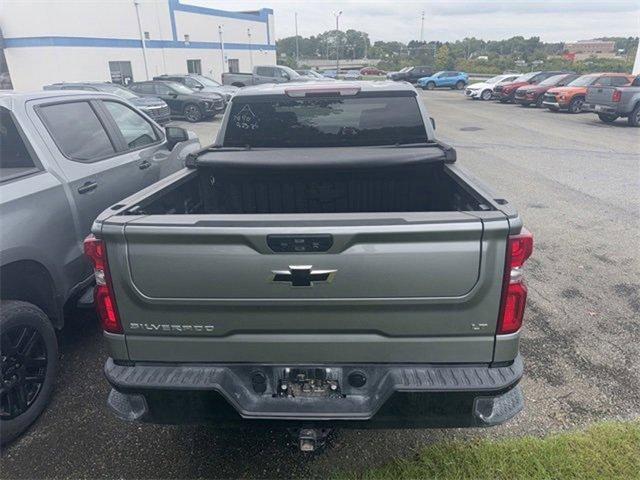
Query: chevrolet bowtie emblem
x,y
302,275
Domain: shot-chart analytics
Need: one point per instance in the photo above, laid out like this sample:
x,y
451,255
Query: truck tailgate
x,y
600,95
409,287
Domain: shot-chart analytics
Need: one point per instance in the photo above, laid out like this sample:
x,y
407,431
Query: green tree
x,y
444,59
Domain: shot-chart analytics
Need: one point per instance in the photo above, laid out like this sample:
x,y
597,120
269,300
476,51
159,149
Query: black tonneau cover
x,y
335,158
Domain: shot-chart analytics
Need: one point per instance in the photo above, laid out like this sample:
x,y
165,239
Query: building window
x,y
121,72
194,66
234,65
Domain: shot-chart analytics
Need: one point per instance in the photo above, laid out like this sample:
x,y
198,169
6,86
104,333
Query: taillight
x,y
103,294
514,291
616,96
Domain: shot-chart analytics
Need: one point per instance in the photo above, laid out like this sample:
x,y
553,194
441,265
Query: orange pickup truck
x,y
571,97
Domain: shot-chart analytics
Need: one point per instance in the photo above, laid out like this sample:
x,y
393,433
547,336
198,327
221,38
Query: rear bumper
x,y
401,395
597,108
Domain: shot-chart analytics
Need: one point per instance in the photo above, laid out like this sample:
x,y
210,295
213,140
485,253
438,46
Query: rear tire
x,y
634,117
459,85
29,362
192,113
607,117
486,94
576,105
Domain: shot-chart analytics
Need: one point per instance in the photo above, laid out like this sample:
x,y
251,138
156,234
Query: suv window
x,y
14,156
77,131
143,88
137,132
162,89
191,83
265,71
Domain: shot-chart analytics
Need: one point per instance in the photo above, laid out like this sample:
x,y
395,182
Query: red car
x,y
372,71
506,92
534,94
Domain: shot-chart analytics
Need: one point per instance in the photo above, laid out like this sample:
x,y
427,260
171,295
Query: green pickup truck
x,y
325,263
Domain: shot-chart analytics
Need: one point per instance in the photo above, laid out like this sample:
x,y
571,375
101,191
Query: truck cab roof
x,y
364,86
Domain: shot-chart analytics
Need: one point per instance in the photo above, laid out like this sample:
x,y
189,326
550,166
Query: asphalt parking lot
x,y
575,182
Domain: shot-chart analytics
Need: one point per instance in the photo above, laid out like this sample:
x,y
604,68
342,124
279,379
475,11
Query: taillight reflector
x,y
103,294
616,96
514,292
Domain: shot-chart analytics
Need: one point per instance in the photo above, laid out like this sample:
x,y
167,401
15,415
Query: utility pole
x,y
297,46
221,49
337,15
422,28
136,3
250,49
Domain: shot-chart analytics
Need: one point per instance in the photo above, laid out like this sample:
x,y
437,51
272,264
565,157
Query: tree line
x,y
470,54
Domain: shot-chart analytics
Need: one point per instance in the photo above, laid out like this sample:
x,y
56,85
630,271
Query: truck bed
x,y
376,254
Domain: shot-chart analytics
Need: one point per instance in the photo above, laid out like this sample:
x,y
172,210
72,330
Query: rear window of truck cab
x,y
333,121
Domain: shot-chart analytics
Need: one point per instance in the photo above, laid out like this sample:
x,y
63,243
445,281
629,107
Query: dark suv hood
x,y
207,95
142,102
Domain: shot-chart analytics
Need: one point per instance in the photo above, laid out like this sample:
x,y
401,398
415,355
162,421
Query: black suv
x,y
182,100
200,83
411,74
153,106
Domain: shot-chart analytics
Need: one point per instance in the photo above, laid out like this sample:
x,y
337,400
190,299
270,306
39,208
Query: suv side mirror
x,y
175,135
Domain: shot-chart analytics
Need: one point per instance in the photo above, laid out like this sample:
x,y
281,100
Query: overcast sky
x,y
551,20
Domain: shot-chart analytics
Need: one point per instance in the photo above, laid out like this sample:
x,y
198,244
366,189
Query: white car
x,y
484,90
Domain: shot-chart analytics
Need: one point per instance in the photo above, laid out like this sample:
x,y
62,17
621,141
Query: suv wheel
x,y
634,117
29,357
486,94
459,85
192,113
576,105
607,117
539,100
430,86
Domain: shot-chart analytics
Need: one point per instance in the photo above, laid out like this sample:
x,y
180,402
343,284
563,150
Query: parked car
x,y
154,107
201,83
330,74
64,158
449,79
484,90
263,74
611,103
572,96
372,71
410,74
183,101
352,75
534,94
506,92
314,75
388,309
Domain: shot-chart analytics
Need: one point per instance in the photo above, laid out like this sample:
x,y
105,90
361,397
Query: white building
x,y
87,40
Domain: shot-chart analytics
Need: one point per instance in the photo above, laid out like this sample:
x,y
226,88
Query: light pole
x,y
297,47
422,28
136,3
337,15
250,49
221,49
